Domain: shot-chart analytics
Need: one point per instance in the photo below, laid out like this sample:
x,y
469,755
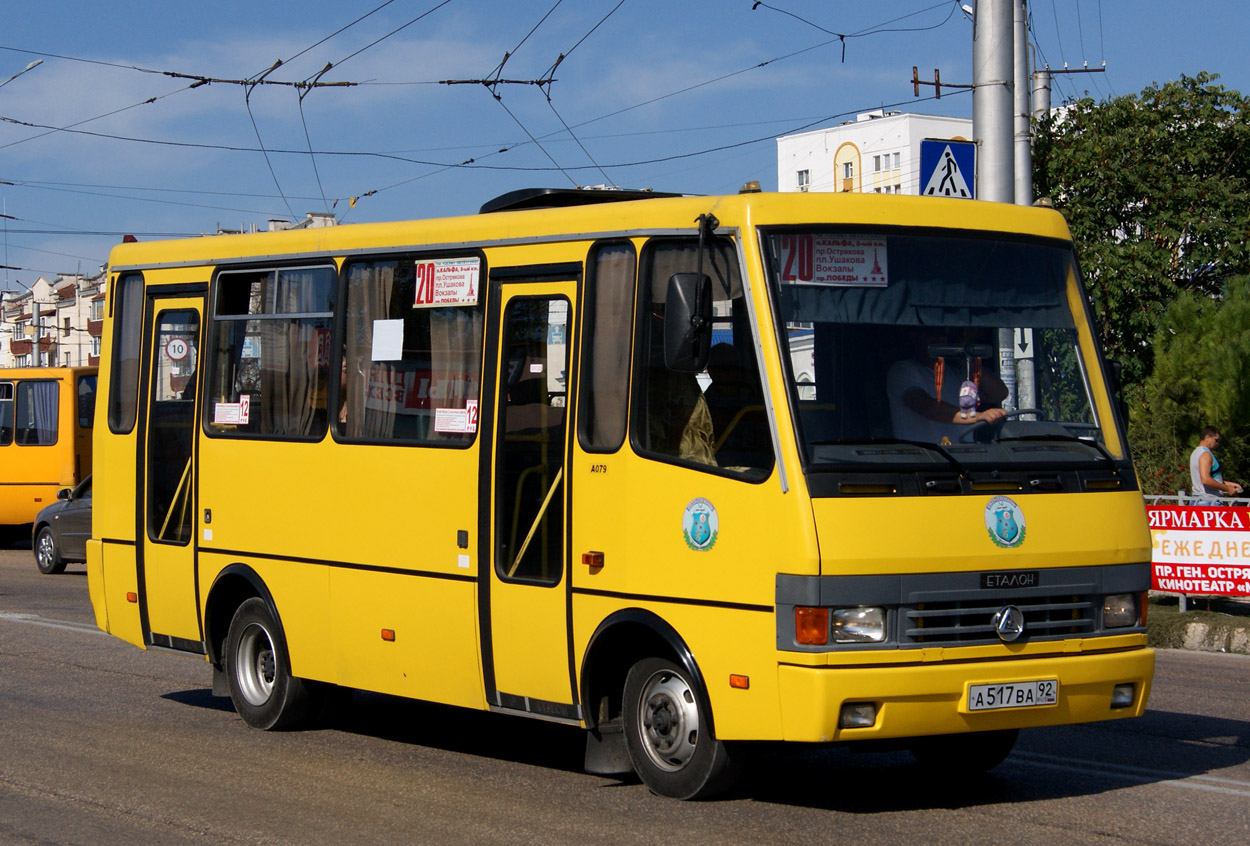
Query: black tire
x,y
668,733
258,670
47,552
964,754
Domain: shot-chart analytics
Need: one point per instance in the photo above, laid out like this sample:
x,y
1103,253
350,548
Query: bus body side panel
x,y
433,653
112,578
111,562
719,600
404,571
343,566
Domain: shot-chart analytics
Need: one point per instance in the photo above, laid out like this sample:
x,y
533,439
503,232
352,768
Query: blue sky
x,y
680,95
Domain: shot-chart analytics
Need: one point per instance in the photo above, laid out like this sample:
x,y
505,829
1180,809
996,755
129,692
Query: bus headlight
x,y
857,625
1119,610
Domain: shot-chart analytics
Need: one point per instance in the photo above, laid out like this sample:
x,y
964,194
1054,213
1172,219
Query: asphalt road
x,y
101,743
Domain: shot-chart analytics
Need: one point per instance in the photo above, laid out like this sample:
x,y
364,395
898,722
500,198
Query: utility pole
x,y
1023,127
1041,93
992,98
1000,125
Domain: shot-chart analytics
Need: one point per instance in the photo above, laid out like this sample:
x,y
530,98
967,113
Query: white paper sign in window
x,y
388,340
447,282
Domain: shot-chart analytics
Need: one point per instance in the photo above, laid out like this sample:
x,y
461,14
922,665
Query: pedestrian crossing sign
x,y
948,168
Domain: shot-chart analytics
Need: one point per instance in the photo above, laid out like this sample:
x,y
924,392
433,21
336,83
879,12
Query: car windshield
x,y
911,347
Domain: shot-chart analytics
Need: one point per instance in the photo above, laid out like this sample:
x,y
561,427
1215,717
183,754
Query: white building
x,y
877,152
53,323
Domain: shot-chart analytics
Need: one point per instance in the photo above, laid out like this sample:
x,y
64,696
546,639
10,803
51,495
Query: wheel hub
x,y
670,719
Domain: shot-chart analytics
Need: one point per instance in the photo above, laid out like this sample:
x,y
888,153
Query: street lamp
x,y
36,63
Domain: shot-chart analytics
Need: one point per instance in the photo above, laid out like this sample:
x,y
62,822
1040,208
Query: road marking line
x,y
1142,775
36,620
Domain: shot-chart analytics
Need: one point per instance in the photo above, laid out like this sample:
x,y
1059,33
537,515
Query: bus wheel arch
x,y
619,673
231,588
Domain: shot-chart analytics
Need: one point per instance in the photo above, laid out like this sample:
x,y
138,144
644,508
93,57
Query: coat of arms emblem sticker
x,y
1005,522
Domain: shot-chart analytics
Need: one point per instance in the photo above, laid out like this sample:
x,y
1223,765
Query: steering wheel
x,y
977,430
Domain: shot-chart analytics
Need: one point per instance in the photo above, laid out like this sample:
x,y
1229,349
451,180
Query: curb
x,y
1202,637
1223,625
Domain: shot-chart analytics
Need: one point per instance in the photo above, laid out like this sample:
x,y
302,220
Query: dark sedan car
x,y
62,529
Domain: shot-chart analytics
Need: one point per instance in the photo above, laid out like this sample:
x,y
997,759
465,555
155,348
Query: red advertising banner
x,y
1200,549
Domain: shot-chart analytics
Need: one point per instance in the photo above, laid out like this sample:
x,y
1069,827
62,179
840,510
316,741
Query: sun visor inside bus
x,y
719,264
964,282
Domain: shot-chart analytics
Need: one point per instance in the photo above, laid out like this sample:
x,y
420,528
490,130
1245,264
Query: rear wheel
x,y
967,754
47,554
258,670
668,734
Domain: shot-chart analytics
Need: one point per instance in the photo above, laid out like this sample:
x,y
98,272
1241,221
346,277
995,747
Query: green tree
x,y
1202,353
1156,190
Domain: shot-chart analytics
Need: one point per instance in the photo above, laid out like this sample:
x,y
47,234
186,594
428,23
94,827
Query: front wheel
x,y
668,734
47,554
258,670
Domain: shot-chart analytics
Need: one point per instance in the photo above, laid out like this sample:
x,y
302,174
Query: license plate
x,y
1026,694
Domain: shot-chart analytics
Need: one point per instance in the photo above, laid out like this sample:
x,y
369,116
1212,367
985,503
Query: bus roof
x,y
623,215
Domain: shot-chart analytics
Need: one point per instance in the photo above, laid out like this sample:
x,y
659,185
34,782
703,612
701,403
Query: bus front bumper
x,y
926,699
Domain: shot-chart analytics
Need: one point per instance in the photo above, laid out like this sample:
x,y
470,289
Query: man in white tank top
x,y
1206,478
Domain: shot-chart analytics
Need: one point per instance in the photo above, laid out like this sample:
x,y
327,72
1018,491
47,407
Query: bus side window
x,y
36,413
6,413
608,304
679,415
127,341
412,350
86,401
270,368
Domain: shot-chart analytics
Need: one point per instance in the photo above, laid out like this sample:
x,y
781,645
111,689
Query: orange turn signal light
x,y
388,635
740,682
131,596
592,559
811,625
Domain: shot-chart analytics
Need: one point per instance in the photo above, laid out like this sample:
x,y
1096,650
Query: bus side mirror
x,y
1116,369
687,322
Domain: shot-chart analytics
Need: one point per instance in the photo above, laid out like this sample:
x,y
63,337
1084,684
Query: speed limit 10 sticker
x,y
177,349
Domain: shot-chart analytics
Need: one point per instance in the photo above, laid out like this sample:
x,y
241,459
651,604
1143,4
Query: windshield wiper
x,y
1065,438
925,445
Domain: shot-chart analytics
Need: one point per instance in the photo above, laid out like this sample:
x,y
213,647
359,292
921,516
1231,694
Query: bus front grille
x,y
970,622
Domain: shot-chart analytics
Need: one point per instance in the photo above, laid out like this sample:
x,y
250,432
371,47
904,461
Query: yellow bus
x,y
46,416
632,462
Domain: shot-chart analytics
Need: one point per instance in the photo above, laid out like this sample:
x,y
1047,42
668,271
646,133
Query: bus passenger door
x,y
525,620
166,511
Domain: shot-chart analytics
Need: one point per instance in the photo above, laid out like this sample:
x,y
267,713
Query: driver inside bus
x,y
924,392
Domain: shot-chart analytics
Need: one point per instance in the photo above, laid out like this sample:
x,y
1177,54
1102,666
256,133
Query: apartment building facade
x,y
55,322
878,152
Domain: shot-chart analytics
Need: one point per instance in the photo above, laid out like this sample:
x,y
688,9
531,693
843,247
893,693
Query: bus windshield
x,y
955,348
